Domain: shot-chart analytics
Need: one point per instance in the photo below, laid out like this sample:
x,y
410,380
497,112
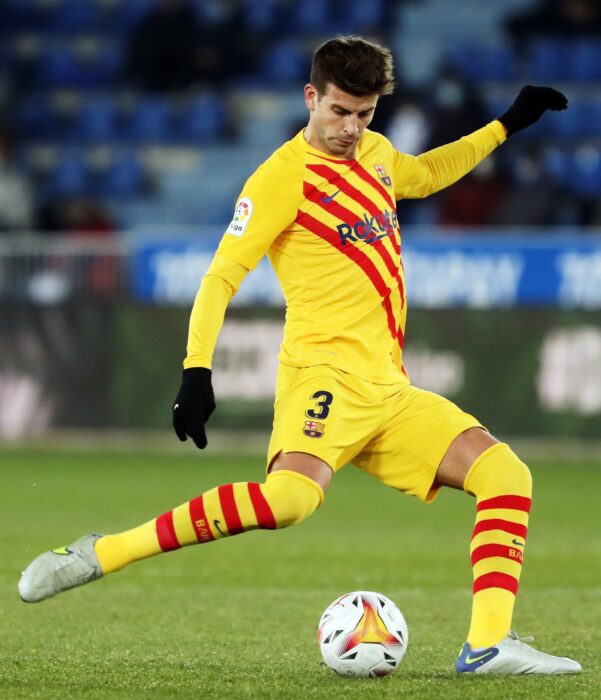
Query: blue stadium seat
x,y
97,120
123,177
126,14
584,171
366,14
308,15
548,60
203,118
478,62
35,118
76,16
81,64
68,177
151,121
285,62
584,60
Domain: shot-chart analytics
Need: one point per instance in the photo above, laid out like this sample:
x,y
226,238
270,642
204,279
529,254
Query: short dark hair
x,y
353,65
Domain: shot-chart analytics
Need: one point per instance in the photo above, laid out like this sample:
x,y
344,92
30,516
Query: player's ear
x,y
310,96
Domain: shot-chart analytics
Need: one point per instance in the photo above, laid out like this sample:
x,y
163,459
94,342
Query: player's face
x,y
337,120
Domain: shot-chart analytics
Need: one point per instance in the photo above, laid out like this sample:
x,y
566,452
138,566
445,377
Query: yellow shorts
x,y
397,433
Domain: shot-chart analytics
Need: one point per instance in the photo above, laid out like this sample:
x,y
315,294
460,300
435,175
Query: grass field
x,y
237,619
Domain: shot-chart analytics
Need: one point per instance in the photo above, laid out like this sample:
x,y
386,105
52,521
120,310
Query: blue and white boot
x,y
512,656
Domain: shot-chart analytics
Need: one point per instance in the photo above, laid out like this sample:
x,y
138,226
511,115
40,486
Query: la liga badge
x,y
244,210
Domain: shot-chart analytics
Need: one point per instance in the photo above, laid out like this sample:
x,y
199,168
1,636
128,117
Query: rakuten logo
x,y
369,228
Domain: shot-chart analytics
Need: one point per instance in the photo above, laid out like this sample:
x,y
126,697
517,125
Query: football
x,y
362,634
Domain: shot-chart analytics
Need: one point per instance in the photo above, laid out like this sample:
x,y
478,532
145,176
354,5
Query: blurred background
x,y
128,127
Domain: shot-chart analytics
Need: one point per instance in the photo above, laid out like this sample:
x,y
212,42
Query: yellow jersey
x,y
330,230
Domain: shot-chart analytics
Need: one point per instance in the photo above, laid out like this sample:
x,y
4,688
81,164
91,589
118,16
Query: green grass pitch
x,y
237,618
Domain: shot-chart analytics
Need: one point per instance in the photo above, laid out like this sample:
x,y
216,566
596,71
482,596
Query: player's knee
x,y
291,496
513,473
501,469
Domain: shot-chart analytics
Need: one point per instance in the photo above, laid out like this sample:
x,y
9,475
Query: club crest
x,y
313,429
384,178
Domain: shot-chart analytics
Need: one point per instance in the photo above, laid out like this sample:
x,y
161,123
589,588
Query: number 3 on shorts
x,y
323,400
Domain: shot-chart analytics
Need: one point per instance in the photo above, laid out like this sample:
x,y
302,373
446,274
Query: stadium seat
x,y
150,120
201,119
35,118
97,120
584,171
548,60
285,62
584,61
123,177
478,62
68,177
76,16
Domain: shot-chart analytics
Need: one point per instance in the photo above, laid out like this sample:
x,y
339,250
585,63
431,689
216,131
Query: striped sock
x,y
285,498
503,488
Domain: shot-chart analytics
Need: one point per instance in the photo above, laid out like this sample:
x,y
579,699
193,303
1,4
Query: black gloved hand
x,y
193,405
530,105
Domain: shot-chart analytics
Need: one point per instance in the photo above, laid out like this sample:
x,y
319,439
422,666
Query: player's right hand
x,y
193,405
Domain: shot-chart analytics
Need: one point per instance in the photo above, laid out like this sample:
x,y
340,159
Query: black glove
x,y
530,105
193,405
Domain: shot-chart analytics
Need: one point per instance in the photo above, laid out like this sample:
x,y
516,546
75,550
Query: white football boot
x,y
60,569
512,656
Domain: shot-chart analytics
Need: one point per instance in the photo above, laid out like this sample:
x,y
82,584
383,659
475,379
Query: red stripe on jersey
x,y
199,520
496,550
498,524
496,579
359,170
358,257
230,509
333,177
166,532
265,517
512,502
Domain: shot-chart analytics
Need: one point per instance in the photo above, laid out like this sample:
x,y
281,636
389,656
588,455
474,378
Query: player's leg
x,y
310,433
502,485
288,495
427,442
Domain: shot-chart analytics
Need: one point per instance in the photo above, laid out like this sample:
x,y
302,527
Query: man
x,y
323,208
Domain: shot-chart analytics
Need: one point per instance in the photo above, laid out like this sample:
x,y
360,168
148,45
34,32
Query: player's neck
x,y
316,144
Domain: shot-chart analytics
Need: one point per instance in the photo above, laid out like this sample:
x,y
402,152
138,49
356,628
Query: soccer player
x,y
322,208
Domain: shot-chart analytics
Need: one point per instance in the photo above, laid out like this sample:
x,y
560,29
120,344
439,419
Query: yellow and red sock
x,y
285,498
503,488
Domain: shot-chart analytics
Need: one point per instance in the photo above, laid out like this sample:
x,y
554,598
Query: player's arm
x,y
420,176
262,213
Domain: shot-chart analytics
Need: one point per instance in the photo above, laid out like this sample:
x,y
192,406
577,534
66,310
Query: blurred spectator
x,y
80,216
477,199
170,50
407,128
16,199
456,108
567,18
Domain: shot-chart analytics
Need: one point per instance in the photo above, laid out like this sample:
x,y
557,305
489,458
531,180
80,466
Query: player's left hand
x,y
530,105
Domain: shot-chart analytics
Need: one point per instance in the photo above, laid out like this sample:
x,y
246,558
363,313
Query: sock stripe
x,y
230,510
265,517
512,502
199,520
166,532
496,579
496,550
499,524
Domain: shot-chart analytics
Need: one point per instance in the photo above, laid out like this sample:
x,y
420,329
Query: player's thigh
x,y
323,412
419,430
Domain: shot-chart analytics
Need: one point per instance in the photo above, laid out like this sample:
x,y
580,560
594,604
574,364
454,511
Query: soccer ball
x,y
362,634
